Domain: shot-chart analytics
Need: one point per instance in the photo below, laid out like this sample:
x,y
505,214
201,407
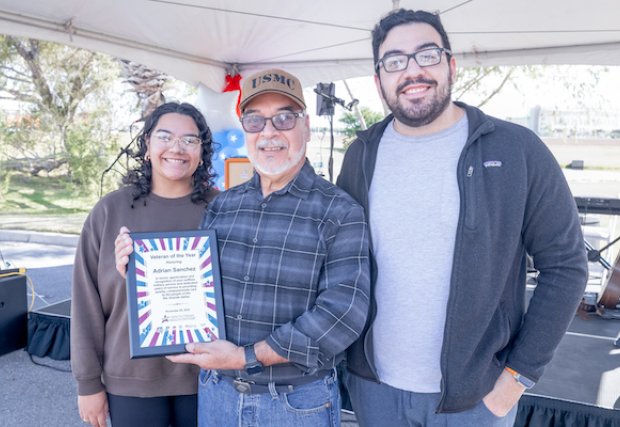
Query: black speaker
x,y
13,313
324,99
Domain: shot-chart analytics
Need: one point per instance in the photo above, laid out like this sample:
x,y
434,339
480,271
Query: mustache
x,y
413,82
271,143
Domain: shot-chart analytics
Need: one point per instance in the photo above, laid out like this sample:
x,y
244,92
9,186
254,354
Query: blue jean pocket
x,y
485,409
205,376
313,398
303,403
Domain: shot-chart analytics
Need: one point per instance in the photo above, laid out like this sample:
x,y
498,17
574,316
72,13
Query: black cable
x,y
47,366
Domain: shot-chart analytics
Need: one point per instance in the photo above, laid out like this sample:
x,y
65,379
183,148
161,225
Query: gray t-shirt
x,y
413,215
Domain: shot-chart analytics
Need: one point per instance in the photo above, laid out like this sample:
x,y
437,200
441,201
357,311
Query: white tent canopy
x,y
319,40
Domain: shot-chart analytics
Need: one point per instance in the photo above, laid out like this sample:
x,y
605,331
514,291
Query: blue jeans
x,y
381,405
310,405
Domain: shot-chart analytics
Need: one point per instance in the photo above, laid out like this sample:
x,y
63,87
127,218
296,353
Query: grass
x,y
52,204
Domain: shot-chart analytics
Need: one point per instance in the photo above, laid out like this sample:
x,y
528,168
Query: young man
x,y
294,262
455,201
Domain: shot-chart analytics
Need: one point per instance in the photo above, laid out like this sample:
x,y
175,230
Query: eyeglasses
x,y
424,58
286,120
187,142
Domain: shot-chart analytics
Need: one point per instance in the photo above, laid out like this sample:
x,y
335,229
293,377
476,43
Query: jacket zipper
x,y
462,219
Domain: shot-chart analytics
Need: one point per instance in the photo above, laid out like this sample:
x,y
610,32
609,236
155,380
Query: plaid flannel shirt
x,y
295,271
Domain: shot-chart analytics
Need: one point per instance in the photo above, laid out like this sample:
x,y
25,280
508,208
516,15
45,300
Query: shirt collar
x,y
300,186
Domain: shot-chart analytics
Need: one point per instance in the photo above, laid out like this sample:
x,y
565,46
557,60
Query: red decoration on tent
x,y
232,84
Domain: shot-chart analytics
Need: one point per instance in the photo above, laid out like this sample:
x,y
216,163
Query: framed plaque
x,y
174,294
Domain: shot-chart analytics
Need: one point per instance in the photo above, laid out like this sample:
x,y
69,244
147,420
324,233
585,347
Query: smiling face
x,y
277,155
417,96
173,164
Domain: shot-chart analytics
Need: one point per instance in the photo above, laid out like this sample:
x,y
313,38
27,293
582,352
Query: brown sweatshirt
x,y
99,333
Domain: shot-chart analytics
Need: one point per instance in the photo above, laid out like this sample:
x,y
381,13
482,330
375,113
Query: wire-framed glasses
x,y
394,62
187,142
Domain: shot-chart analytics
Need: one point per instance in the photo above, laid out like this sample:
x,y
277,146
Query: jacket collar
x,y
479,124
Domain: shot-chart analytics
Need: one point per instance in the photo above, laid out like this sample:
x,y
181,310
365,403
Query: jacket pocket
x,y
503,321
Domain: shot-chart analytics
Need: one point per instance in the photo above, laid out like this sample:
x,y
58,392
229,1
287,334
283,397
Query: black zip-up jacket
x,y
514,200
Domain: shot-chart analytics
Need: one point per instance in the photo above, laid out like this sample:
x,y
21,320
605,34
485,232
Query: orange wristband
x,y
525,382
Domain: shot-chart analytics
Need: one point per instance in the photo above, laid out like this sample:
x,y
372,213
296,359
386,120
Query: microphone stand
x,y
124,151
332,100
594,255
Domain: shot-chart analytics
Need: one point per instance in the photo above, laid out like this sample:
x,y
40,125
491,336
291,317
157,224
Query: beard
x,y
420,112
265,167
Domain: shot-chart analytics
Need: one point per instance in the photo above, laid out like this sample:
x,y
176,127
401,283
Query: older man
x,y
295,274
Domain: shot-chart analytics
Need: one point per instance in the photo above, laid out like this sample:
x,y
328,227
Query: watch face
x,y
527,383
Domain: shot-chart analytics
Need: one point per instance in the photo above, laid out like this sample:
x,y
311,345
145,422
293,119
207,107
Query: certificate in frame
x,y
174,292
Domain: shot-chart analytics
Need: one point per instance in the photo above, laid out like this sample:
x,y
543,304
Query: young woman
x,y
168,190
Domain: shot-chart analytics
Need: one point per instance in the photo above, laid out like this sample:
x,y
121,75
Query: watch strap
x,y
252,365
525,381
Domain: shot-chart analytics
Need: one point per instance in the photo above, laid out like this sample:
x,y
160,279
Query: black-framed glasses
x,y
394,62
187,142
286,120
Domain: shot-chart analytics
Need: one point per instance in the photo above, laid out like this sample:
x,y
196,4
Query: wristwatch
x,y
526,382
252,365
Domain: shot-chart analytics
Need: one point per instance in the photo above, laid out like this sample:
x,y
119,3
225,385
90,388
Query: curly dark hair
x,y
140,176
403,17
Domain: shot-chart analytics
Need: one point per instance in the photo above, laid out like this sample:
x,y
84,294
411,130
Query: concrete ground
x,y
31,394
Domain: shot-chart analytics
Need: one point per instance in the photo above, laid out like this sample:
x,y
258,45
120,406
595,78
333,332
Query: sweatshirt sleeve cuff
x,y
88,387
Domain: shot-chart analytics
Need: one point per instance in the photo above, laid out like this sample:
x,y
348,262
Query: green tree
x,y
59,108
352,124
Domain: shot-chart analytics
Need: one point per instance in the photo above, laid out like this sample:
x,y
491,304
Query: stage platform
x,y
581,385
586,366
